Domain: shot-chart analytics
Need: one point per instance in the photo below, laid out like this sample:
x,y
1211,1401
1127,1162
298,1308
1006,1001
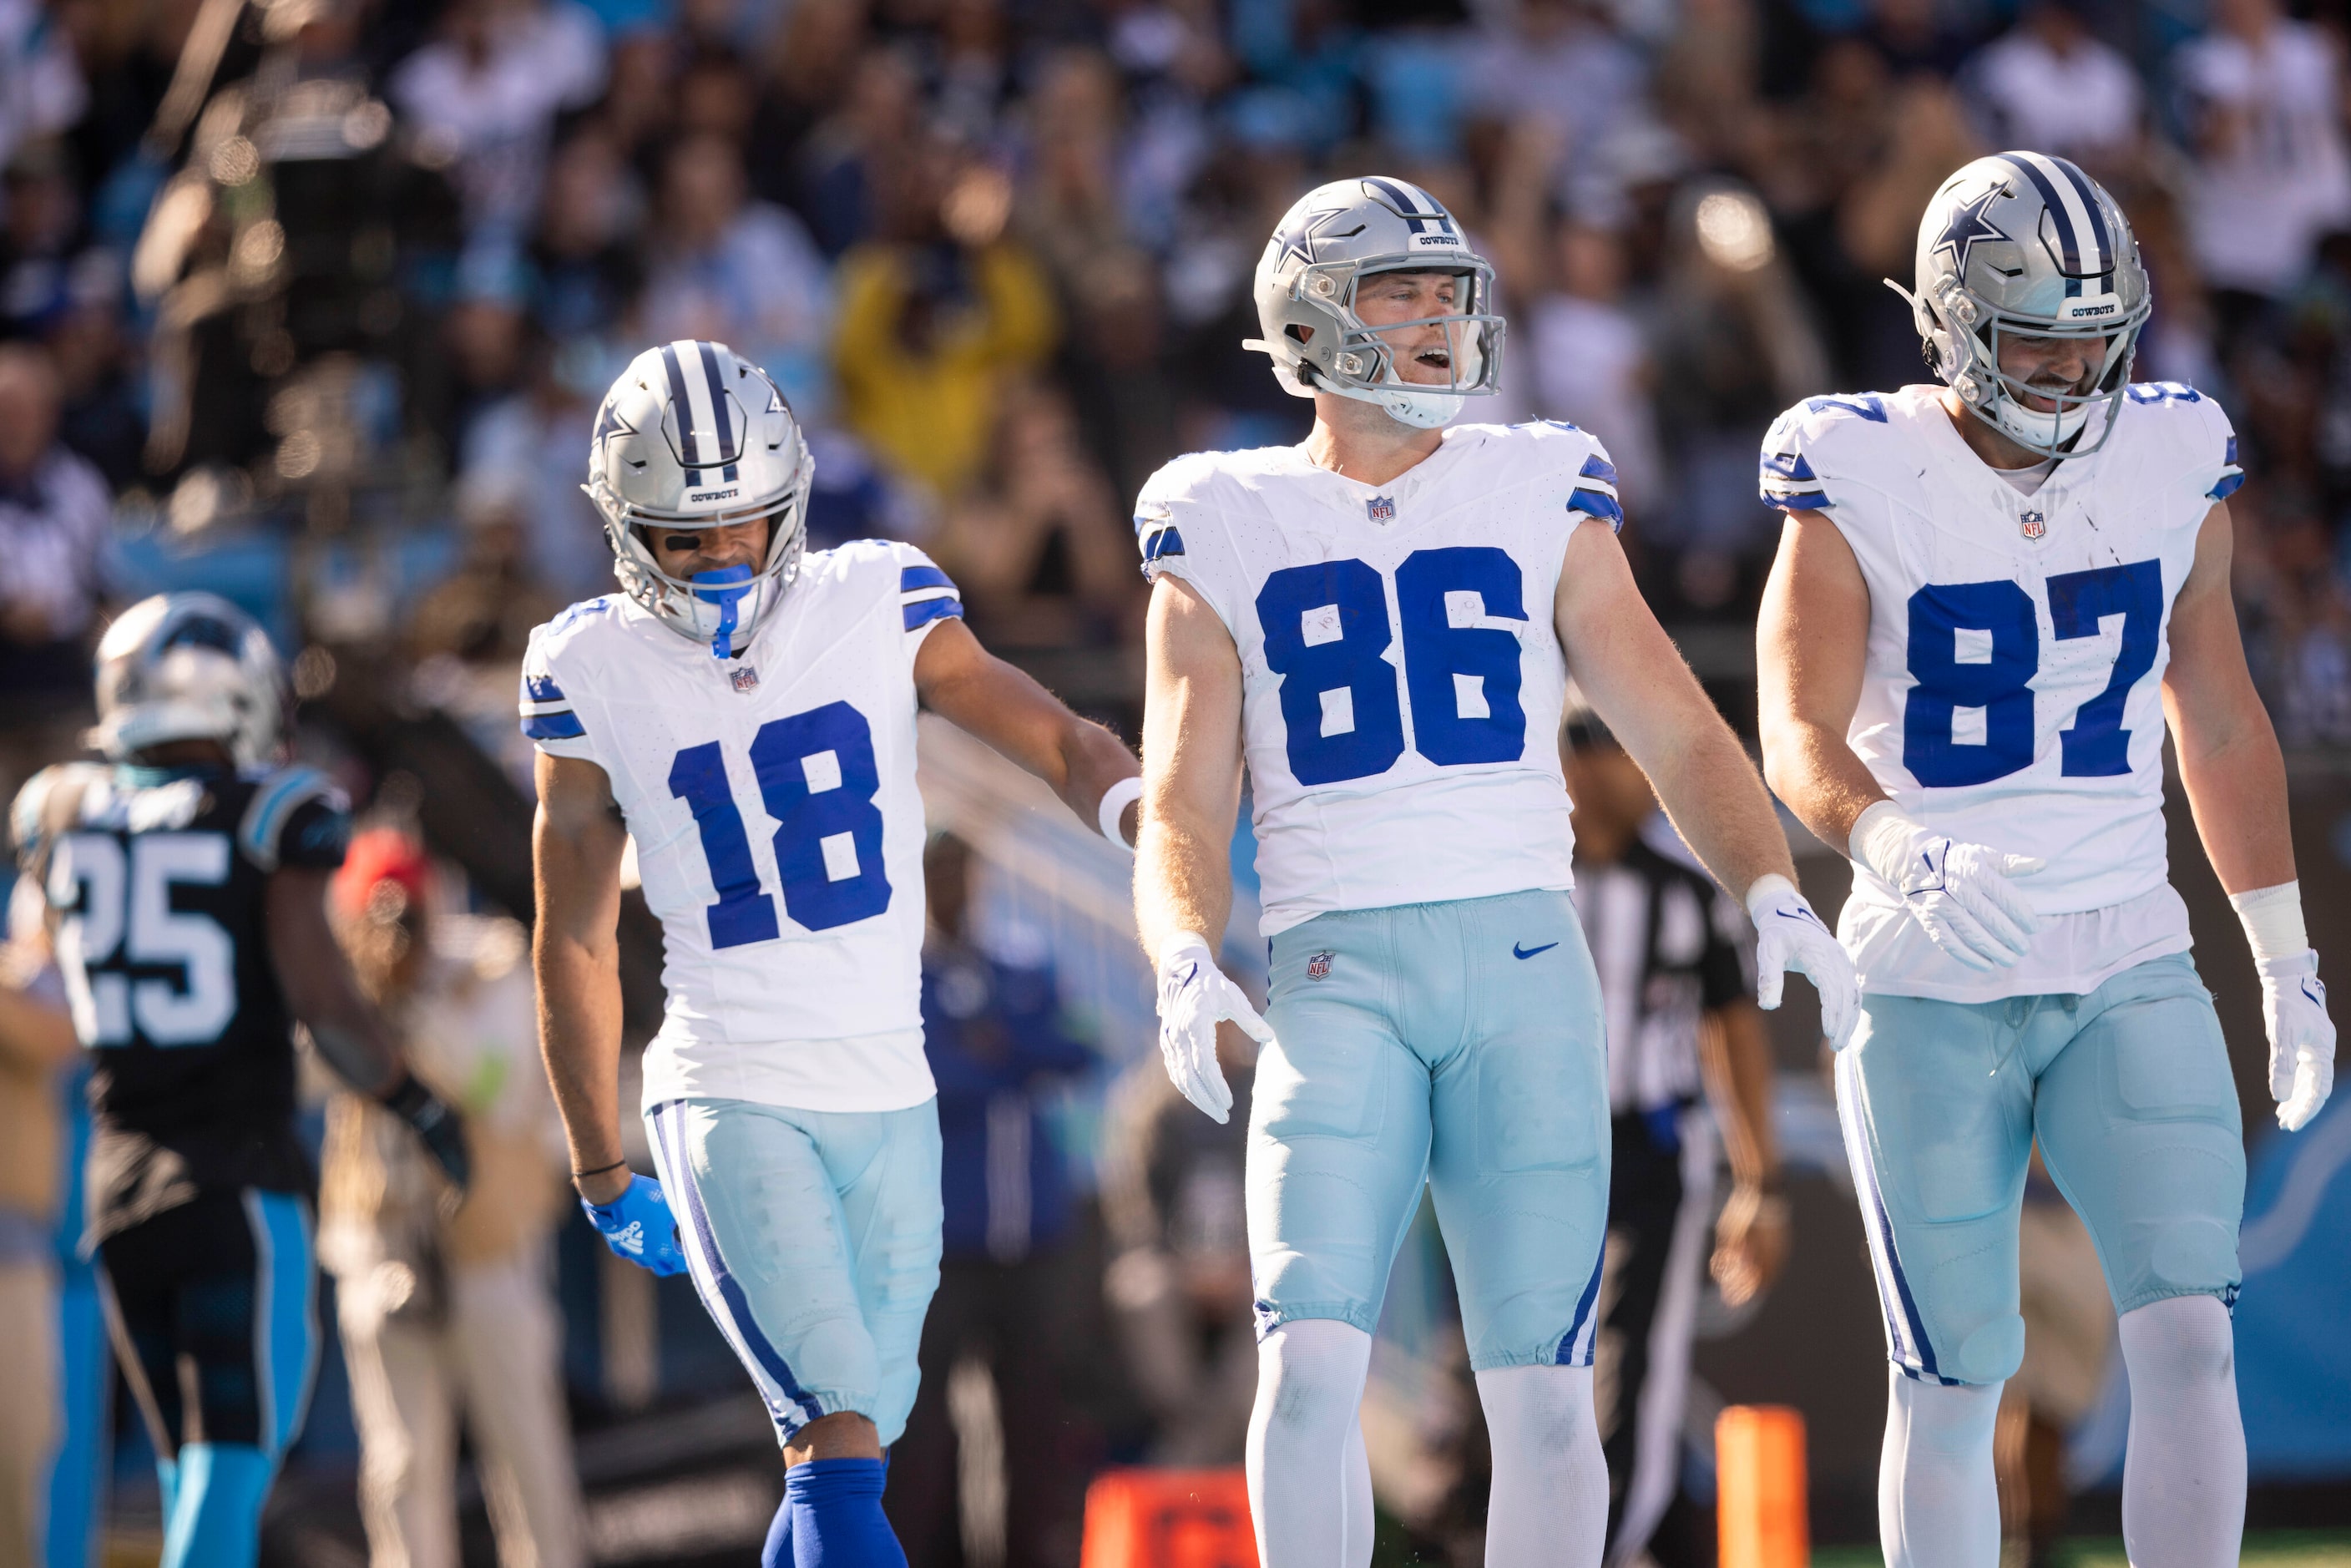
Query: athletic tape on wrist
x,y
2271,917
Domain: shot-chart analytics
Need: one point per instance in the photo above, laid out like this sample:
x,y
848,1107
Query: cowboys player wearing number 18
x,y
1380,624
185,882
745,710
1990,596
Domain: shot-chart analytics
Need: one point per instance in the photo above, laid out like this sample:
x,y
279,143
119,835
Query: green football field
x,y
2273,1549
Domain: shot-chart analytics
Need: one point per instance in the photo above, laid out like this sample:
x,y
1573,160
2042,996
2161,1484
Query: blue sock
x,y
217,1514
836,1519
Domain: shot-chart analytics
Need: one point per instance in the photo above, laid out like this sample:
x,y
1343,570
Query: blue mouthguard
x,y
725,588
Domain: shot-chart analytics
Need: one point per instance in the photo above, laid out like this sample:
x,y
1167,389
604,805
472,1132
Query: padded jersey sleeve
x,y
1592,487
2215,474
1179,533
926,595
548,716
1785,475
296,819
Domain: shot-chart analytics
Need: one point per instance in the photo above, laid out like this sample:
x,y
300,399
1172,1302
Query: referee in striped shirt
x,y
1686,1056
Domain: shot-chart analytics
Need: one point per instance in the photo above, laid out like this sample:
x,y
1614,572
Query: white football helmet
x,y
1337,235
693,437
189,666
2025,245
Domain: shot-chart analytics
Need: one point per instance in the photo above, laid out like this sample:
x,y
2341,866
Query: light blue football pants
x,y
2128,1091
814,1239
1462,1043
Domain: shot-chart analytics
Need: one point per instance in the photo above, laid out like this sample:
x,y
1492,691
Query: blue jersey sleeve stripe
x,y
542,689
1797,500
924,611
2227,487
1594,504
1598,468
1167,542
563,726
918,577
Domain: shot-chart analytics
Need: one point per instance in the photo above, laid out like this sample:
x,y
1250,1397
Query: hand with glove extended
x,y
437,1126
1960,892
1194,998
2302,1037
639,1227
1788,936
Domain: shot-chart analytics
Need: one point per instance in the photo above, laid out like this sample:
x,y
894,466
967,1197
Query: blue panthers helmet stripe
x,y
923,612
564,726
914,577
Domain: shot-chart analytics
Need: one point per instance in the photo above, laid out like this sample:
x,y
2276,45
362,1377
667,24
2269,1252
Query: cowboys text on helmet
x,y
690,437
2022,244
1326,246
188,666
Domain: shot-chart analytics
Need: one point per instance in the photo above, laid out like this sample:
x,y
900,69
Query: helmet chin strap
x,y
1421,409
724,587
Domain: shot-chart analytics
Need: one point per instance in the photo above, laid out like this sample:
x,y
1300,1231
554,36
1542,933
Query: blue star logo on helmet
x,y
610,422
1968,229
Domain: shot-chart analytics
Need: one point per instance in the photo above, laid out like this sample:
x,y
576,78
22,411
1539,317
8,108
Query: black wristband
x,y
599,1170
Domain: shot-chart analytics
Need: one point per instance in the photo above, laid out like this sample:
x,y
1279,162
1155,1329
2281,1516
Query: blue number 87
x,y
818,778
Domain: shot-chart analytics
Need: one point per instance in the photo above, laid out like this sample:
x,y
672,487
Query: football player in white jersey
x,y
745,712
1989,598
1380,623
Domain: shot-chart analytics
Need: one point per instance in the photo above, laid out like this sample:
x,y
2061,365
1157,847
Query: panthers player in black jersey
x,y
186,882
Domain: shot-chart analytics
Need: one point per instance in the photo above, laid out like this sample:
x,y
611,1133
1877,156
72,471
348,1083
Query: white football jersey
x,y
779,830
2017,647
1402,679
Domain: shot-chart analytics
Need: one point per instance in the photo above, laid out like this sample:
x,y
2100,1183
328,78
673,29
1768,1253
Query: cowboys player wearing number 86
x,y
745,710
1990,597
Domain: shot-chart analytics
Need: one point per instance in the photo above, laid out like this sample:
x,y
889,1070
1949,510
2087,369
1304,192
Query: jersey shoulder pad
x,y
296,816
552,660
1179,492
1569,455
1811,441
49,802
2189,430
926,594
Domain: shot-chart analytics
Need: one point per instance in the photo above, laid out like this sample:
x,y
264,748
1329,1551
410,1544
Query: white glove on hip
x,y
1194,998
2302,1037
1788,936
1960,892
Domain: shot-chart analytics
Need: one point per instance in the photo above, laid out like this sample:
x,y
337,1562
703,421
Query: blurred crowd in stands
x,y
334,276
319,267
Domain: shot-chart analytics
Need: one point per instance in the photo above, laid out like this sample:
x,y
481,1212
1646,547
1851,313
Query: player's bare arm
x,y
1751,1235
2229,758
1635,680
980,694
575,844
1812,646
1183,875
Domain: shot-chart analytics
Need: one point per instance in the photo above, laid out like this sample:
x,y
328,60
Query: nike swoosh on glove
x,y
1194,998
1789,935
639,1227
1960,892
2302,1037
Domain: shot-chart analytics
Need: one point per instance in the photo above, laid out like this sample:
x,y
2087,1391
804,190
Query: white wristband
x,y
1115,802
2273,920
1766,886
1881,839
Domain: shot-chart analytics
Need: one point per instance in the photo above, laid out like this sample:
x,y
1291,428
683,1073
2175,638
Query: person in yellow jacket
x,y
932,329
448,1310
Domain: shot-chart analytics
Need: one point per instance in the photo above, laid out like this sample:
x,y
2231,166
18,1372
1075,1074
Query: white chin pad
x,y
1423,410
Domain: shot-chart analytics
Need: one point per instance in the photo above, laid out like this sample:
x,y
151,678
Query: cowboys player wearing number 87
x,y
1989,598
1380,623
745,710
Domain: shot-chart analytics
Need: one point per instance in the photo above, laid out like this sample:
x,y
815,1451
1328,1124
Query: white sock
x,y
1938,1494
1550,1502
1309,1483
2184,1475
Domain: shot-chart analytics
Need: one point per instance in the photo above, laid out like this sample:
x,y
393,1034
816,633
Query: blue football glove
x,y
639,1226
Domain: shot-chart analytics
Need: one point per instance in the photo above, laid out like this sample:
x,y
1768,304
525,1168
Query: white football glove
x,y
1788,936
1194,998
2302,1037
1960,892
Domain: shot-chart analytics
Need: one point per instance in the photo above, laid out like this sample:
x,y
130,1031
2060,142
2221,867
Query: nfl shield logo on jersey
x,y
745,679
1317,966
1383,510
2034,524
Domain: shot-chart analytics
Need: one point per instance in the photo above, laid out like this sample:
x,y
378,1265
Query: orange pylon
x,y
1760,1489
1169,1519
